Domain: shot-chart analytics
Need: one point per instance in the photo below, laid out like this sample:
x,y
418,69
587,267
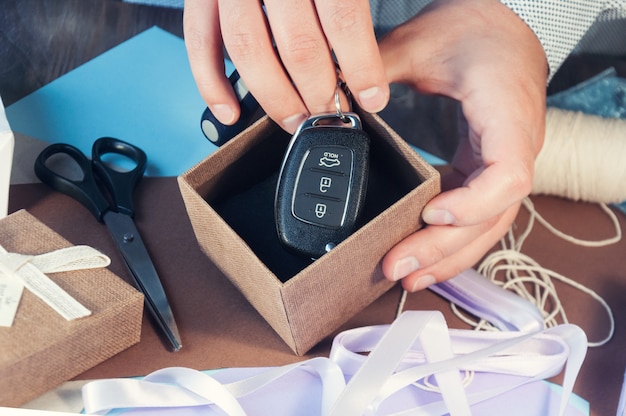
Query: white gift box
x,y
6,160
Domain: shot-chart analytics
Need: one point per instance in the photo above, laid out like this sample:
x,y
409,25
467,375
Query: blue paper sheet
x,y
141,91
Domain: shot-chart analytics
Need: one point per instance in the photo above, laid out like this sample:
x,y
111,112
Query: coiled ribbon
x,y
381,365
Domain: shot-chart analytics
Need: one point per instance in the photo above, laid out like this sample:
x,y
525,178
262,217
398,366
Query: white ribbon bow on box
x,y
18,271
385,368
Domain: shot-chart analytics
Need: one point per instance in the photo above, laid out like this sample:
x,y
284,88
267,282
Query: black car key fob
x,y
322,183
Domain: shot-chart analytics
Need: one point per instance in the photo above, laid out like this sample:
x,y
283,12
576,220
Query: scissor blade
x,y
130,244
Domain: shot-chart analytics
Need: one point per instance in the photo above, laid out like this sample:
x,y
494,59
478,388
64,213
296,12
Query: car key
x,y
322,183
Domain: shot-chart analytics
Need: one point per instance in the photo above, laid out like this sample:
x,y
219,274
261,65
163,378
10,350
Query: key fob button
x,y
330,183
326,185
335,159
324,212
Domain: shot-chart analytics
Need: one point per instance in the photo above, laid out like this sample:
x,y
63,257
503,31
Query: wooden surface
x,y
41,40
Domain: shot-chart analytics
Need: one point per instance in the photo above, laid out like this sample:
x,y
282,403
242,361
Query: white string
x,y
401,303
519,273
515,271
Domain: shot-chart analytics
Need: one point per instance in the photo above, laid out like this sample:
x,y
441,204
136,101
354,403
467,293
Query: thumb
x,y
416,54
396,55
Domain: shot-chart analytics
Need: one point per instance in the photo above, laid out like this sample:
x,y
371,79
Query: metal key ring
x,y
338,104
341,86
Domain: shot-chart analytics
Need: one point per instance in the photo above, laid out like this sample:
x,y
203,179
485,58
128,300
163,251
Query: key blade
x,y
135,254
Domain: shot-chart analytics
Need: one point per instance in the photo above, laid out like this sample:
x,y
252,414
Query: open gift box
x,y
41,349
229,197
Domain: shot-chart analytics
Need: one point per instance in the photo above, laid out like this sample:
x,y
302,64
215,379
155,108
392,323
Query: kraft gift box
x,y
41,349
229,197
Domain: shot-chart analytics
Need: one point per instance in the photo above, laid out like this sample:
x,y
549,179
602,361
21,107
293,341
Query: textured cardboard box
x,y
229,198
42,350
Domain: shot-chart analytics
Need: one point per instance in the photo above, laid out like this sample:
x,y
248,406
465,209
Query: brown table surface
x,y
218,326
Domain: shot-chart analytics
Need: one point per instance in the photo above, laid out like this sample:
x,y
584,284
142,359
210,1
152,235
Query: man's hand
x,y
284,54
483,55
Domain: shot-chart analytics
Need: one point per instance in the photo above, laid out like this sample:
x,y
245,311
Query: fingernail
x,y
223,113
405,267
438,217
372,99
423,282
292,123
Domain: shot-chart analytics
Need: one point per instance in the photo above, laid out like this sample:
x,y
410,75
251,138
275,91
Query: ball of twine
x,y
583,158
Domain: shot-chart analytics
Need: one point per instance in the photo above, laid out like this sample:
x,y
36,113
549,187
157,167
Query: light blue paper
x,y
429,157
141,91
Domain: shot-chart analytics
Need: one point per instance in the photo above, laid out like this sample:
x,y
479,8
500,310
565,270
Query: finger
x,y
507,151
495,189
350,32
304,52
437,253
248,42
467,257
204,49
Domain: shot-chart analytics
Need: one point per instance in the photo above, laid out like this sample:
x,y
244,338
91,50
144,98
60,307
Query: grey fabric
x,y
387,14
559,25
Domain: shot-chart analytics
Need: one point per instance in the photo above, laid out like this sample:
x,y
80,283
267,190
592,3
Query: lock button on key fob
x,y
322,183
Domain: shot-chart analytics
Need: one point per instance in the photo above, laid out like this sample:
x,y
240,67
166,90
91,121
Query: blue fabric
x,y
603,95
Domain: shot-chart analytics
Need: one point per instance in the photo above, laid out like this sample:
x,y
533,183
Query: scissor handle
x,y
84,190
120,184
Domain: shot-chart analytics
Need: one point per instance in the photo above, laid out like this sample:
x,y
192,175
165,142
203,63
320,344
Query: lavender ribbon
x,y
418,344
481,297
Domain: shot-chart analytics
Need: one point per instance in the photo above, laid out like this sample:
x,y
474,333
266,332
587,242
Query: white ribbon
x,y
416,345
30,272
534,356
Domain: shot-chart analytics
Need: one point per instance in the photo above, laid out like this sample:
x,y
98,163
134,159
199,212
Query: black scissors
x,y
118,216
